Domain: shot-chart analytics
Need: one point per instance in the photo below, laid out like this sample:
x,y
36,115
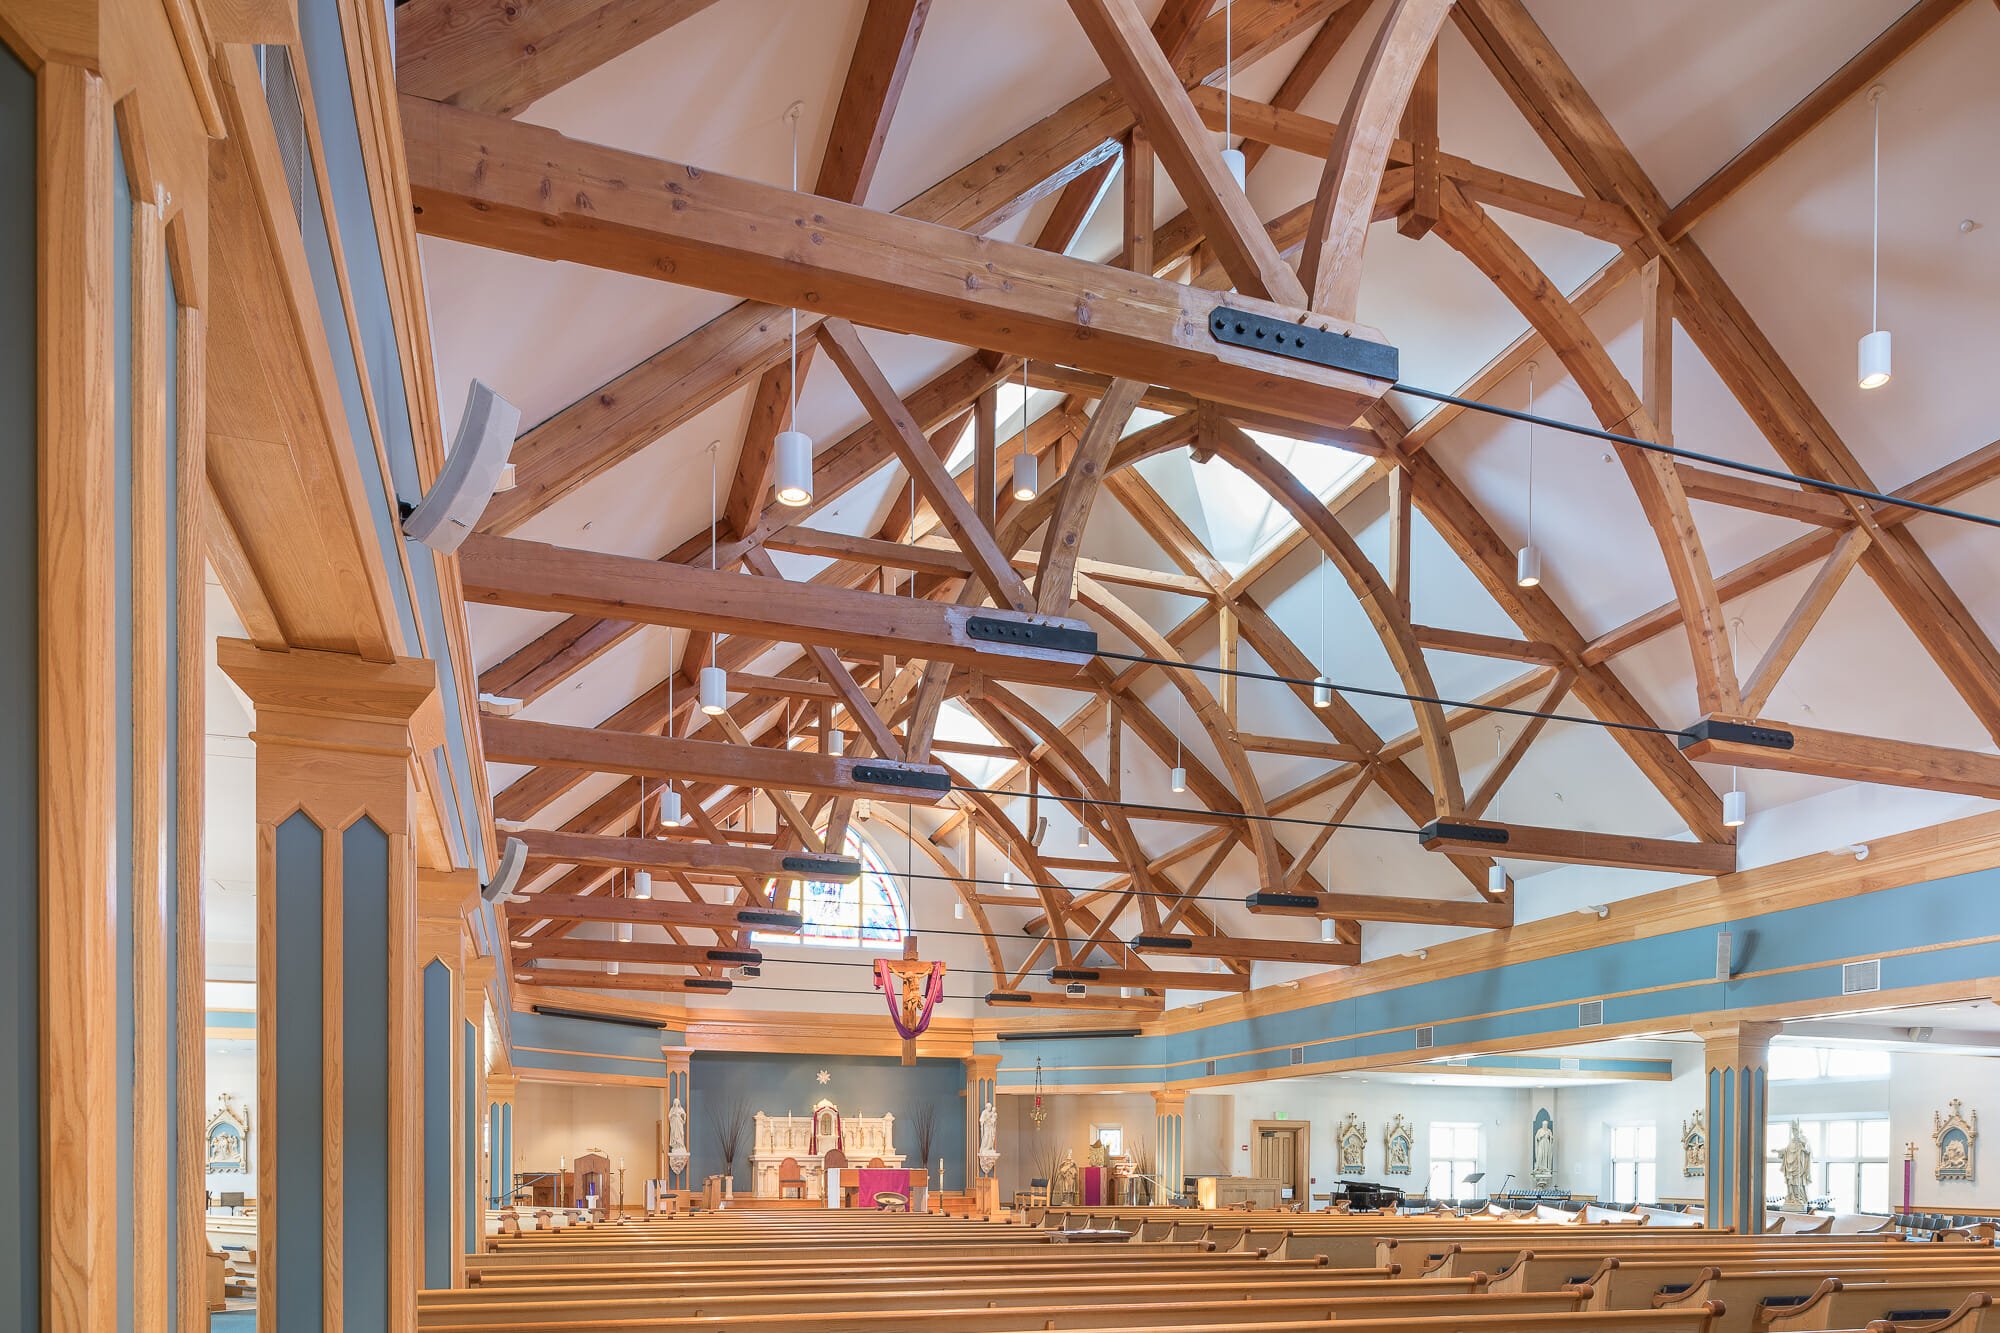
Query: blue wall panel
x,y
438,983
295,1127
469,1159
171,808
858,1084
20,699
1663,978
364,916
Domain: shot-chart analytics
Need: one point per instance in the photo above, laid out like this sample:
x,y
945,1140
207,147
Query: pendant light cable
x,y
1875,243
795,113
1531,453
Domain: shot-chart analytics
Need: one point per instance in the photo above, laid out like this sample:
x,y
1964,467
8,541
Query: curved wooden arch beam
x,y
1368,587
1064,543
997,698
1471,231
973,907
1015,845
1330,265
1264,843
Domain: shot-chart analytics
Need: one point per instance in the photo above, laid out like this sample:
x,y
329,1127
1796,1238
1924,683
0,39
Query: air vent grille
x,y
1426,1037
1298,1055
1725,961
1859,978
1570,1064
288,121
1590,1014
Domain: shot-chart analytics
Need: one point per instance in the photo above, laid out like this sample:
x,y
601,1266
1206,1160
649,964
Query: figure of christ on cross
x,y
917,987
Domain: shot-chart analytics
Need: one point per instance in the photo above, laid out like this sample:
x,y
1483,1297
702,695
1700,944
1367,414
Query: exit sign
x,y
1281,1115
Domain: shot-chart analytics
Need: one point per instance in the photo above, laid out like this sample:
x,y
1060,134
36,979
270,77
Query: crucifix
x,y
912,988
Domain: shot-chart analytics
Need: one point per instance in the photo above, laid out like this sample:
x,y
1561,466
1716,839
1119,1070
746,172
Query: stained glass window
x,y
870,910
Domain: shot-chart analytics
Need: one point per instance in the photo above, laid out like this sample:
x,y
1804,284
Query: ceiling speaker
x,y
513,859
445,517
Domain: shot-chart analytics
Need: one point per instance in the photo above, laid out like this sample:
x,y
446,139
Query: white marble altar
x,y
807,1139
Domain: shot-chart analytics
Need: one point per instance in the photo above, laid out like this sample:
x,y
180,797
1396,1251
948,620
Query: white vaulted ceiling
x,y
1686,85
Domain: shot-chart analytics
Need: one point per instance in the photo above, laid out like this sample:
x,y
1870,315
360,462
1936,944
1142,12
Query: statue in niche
x,y
1352,1137
1542,1168
1396,1147
1955,1137
989,1131
1795,1165
677,1127
1065,1190
1694,1146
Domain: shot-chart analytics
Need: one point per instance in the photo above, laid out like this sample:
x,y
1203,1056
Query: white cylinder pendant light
x,y
714,690
1528,567
670,809
864,810
958,910
1528,560
624,932
1322,692
1874,359
1326,929
792,468
1735,809
1873,353
836,743
642,885
1177,780
1496,878
1238,167
611,968
1082,836
1027,468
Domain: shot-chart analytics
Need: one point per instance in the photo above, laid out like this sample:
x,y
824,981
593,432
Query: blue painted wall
x,y
20,698
365,932
294,1127
580,1046
438,983
859,1085
1785,957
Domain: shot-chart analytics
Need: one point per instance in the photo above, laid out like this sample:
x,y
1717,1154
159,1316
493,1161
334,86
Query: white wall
x,y
1585,1116
232,1068
1921,1087
557,1120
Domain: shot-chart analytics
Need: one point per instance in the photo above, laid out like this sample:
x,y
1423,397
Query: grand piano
x,y
1367,1197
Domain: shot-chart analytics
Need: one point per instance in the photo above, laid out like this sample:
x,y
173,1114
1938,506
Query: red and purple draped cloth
x,y
885,981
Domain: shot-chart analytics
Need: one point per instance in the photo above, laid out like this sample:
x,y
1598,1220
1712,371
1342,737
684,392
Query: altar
x,y
790,1154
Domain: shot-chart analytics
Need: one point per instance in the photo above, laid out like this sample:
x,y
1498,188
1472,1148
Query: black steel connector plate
x,y
1299,342
1162,942
1462,833
910,779
1032,634
1736,733
1267,898
824,867
769,917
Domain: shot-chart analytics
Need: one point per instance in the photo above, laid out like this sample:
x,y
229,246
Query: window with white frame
x,y
848,913
1111,1136
1634,1168
1454,1156
1850,1161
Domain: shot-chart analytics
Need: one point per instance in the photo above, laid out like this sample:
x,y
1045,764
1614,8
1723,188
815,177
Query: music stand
x,y
1472,1179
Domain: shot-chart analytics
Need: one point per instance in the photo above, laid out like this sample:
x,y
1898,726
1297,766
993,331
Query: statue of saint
x,y
1066,1178
1545,1152
1795,1164
677,1127
989,1131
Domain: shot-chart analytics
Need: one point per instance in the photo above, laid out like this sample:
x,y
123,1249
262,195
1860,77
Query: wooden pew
x,y
1842,1304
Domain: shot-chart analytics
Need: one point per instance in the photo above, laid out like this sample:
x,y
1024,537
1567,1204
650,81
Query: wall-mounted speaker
x,y
513,859
445,517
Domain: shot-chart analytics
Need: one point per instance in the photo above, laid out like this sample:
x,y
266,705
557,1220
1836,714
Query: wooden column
x,y
442,899
1736,1058
472,1191
982,1080
338,1013
680,1087
1169,1108
500,1089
